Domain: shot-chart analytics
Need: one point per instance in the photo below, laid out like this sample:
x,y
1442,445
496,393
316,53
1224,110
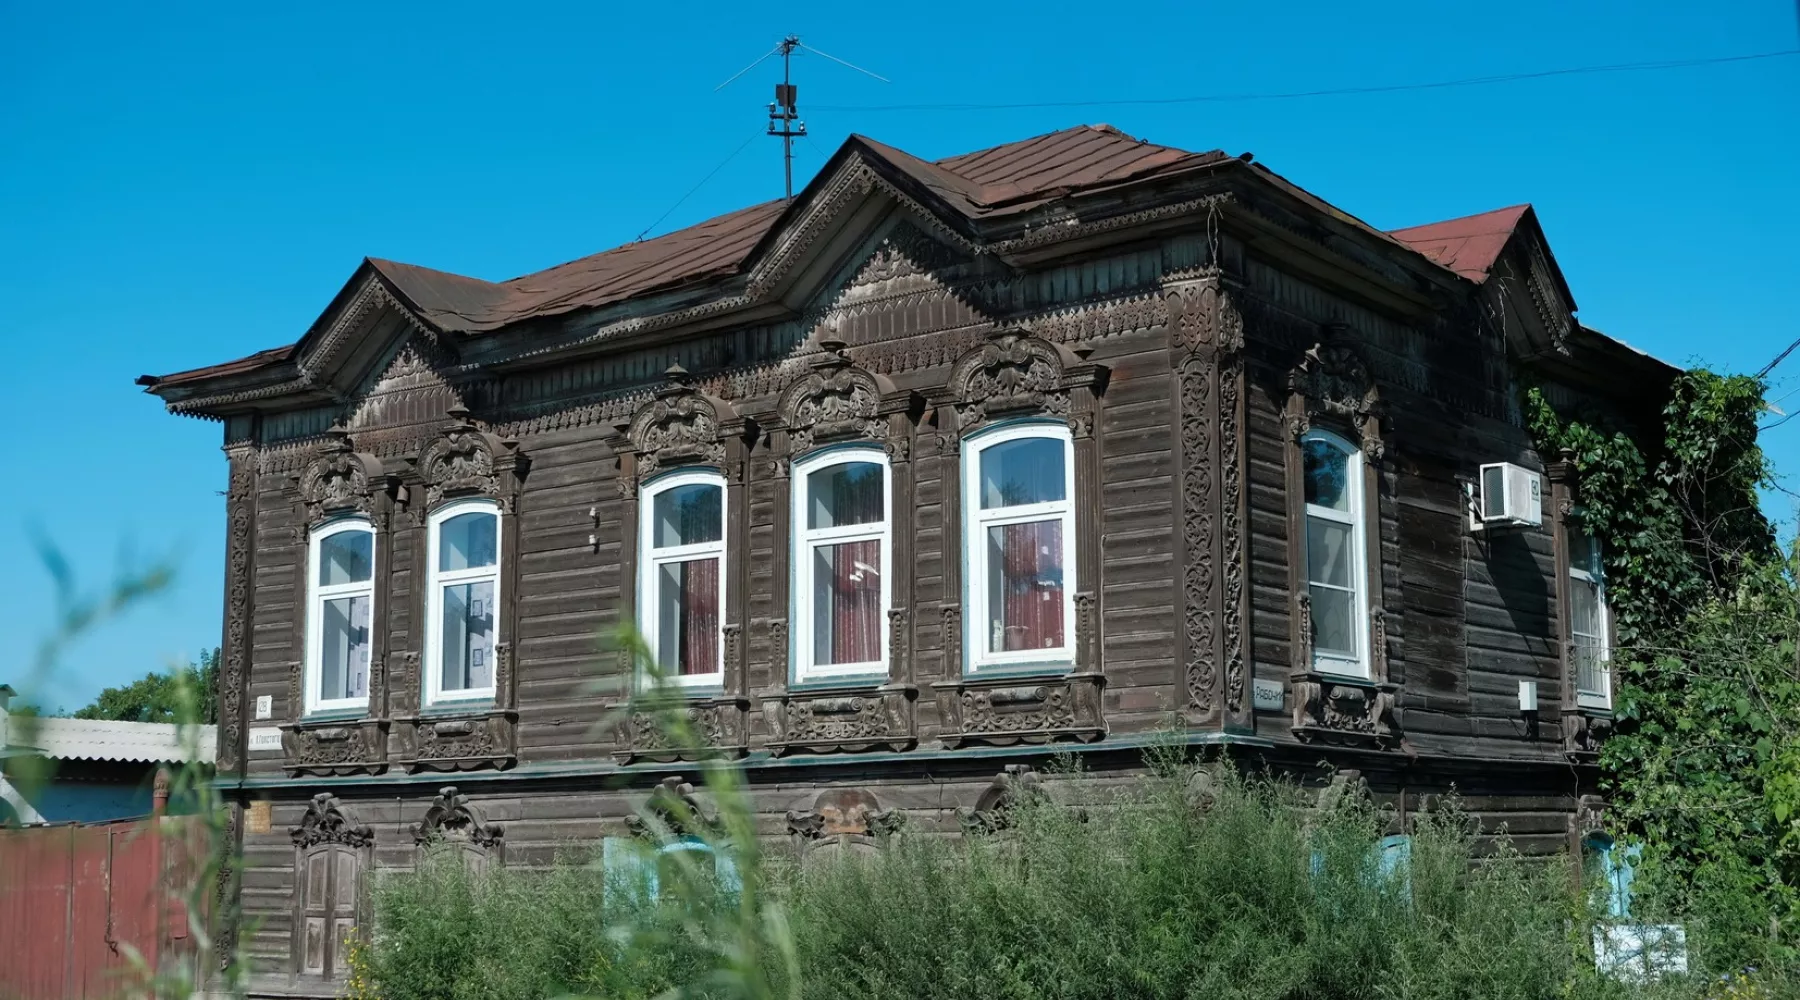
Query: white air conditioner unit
x,y
1508,495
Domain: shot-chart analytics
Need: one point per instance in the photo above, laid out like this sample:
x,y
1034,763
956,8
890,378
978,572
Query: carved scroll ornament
x,y
1012,372
842,821
327,822
673,809
834,401
339,479
1332,379
679,426
467,461
452,817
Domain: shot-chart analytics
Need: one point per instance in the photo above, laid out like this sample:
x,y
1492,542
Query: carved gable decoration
x,y
679,426
339,479
451,817
1332,380
326,822
834,401
905,252
1012,372
408,393
467,461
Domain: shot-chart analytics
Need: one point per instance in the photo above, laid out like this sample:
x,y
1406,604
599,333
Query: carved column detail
x,y
240,549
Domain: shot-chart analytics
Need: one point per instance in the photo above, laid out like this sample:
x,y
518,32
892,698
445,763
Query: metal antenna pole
x,y
784,114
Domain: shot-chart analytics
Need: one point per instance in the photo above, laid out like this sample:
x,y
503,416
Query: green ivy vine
x,y
1703,768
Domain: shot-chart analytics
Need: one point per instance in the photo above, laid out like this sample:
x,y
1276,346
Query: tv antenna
x,y
784,110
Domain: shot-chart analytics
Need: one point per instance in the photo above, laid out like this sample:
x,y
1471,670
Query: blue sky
x,y
187,184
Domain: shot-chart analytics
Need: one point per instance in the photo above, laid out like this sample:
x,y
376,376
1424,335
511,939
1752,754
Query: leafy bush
x,y
1245,892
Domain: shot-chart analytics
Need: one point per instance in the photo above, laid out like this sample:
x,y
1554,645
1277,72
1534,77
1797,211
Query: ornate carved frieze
x,y
842,821
339,480
1004,711
1011,372
467,461
841,721
451,817
1343,711
345,746
1583,733
458,738
994,811
327,822
680,425
1199,526
691,730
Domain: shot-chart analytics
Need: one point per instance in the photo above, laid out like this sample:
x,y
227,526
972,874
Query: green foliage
x,y
1705,767
157,697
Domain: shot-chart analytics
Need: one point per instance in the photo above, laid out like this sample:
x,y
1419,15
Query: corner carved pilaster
x,y
240,547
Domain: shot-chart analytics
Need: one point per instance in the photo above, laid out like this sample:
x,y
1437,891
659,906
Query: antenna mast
x,y
784,114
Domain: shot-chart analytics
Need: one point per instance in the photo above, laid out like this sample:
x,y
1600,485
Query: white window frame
x,y
976,522
805,540
1583,576
651,559
435,582
317,595
1326,662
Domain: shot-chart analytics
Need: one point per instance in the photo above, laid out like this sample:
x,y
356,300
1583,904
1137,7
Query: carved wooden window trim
x,y
453,820
332,843
1588,713
317,596
978,658
435,580
649,561
1592,575
806,540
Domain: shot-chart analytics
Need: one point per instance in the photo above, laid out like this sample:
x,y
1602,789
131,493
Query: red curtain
x,y
856,602
1032,601
699,617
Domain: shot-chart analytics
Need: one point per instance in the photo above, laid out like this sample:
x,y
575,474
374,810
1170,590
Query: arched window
x,y
1336,577
842,550
1589,627
462,600
681,576
1019,543
340,610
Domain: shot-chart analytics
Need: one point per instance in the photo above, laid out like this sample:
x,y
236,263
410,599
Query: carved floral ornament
x,y
1332,380
673,809
834,401
451,817
326,822
1015,372
679,426
467,461
339,479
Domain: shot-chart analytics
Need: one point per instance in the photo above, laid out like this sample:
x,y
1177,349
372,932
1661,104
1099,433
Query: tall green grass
x,y
1248,892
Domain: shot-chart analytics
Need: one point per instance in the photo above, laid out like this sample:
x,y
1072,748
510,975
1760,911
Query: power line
x,y
1333,92
710,174
1779,358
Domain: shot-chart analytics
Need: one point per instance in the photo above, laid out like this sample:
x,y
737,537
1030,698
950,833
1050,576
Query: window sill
x,y
839,683
327,716
1014,671
464,706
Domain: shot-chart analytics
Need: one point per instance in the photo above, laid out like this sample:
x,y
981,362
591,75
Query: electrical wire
x,y
1779,358
759,133
1332,92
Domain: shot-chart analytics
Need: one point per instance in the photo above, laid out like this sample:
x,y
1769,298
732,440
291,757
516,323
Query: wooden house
x,y
907,483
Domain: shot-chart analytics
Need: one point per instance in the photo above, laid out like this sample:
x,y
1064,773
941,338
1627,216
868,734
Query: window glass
x,y
1334,621
687,604
844,494
467,650
344,654
1584,554
1328,552
846,607
467,541
1327,469
1028,470
346,557
687,515
1025,585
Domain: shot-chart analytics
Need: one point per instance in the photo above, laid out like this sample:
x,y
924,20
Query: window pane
x,y
844,494
687,617
1584,611
1334,621
344,651
466,541
847,603
1584,554
1029,470
468,637
1025,586
346,557
1329,555
1327,474
687,515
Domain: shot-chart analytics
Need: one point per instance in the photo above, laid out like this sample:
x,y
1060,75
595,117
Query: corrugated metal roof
x,y
93,739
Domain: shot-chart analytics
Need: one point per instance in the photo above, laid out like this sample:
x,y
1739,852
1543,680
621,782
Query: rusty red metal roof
x,y
1469,245
1010,177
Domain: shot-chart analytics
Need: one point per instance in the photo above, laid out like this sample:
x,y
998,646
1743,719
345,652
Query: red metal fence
x,y
72,897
